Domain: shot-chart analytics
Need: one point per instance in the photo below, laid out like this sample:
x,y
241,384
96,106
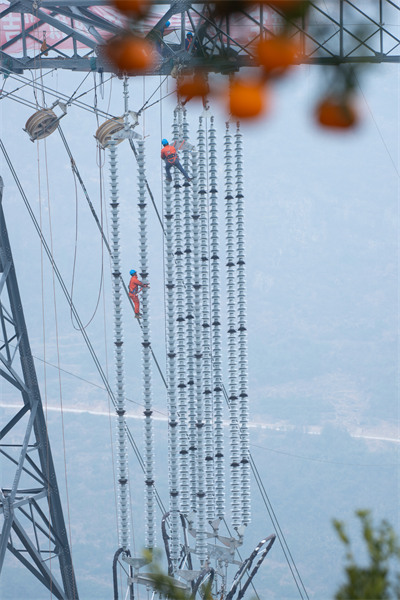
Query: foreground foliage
x,y
380,578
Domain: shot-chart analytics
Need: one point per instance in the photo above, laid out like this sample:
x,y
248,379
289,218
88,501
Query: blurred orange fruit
x,y
246,99
197,86
278,53
130,53
131,6
336,113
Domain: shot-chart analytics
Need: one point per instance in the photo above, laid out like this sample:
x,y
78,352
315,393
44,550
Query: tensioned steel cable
x,y
61,95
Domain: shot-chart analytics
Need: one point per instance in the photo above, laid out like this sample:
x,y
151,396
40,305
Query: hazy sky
x,y
321,221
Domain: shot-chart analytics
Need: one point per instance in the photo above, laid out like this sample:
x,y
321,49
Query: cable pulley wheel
x,y
41,124
107,130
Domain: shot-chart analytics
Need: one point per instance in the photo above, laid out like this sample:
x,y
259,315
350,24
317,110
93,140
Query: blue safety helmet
x,y
132,272
190,34
167,24
164,142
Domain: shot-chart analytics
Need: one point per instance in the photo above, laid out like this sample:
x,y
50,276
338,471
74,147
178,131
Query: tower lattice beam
x,y
64,34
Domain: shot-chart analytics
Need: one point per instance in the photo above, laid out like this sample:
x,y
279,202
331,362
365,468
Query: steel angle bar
x,y
59,25
42,568
17,37
16,418
42,479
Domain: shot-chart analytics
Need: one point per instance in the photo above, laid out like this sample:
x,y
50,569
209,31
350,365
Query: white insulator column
x,y
189,330
242,332
232,342
200,395
193,359
198,168
122,454
146,357
206,341
173,444
215,291
180,319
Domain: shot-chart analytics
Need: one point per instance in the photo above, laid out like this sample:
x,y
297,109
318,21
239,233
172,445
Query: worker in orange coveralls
x,y
170,155
135,286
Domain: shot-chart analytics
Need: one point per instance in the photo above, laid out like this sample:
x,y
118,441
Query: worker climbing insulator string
x,y
122,462
173,445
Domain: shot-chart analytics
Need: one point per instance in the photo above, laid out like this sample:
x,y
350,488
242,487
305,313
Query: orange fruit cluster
x,y
130,53
246,98
336,113
197,86
277,54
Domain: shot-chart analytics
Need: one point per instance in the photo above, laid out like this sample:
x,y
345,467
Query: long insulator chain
x,y
122,454
180,320
219,466
242,332
146,357
206,346
199,268
173,445
201,549
189,399
232,341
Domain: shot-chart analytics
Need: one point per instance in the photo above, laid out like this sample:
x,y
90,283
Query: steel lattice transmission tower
x,y
32,521
71,34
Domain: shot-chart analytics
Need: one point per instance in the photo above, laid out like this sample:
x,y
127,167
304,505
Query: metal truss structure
x,y
32,526
71,34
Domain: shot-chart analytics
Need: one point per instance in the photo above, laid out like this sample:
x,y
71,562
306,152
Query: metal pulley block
x,y
107,130
43,122
114,129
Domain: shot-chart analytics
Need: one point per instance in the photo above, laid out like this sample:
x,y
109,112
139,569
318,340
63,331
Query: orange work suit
x,y
170,156
134,288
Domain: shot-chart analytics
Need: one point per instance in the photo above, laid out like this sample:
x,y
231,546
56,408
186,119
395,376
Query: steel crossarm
x,y
79,29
